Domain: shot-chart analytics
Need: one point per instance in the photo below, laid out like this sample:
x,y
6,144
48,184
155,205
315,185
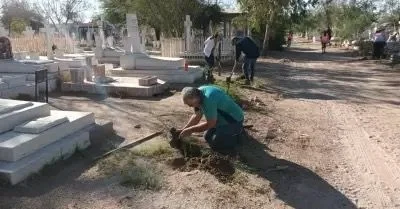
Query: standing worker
x,y
224,118
251,52
209,47
379,43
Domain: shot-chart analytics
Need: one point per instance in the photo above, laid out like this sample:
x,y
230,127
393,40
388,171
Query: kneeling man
x,y
224,118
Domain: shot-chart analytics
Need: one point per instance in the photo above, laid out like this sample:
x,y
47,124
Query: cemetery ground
x,y
331,121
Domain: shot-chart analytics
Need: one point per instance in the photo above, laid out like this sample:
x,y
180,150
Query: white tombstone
x,y
49,44
28,32
133,32
89,37
127,45
143,39
101,33
73,36
188,30
3,31
99,46
110,41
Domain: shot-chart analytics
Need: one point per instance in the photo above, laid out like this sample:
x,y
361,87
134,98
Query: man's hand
x,y
184,133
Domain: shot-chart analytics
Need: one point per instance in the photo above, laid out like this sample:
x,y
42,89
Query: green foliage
x,y
164,16
17,25
20,11
347,19
132,171
277,15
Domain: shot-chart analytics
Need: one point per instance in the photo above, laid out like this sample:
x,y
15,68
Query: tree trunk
x,y
265,42
158,34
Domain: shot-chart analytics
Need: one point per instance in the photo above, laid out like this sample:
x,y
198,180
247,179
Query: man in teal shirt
x,y
224,118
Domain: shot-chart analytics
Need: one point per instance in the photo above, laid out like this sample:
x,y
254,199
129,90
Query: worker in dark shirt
x,y
251,52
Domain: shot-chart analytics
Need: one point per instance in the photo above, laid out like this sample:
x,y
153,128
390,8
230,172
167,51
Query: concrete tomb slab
x,y
41,124
14,80
14,146
15,172
19,116
148,81
7,106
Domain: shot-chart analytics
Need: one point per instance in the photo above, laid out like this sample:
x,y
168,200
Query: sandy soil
x,y
332,119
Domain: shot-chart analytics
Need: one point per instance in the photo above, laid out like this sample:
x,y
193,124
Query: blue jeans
x,y
248,68
225,137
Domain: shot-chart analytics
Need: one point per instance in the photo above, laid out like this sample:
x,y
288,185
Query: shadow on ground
x,y
297,186
358,81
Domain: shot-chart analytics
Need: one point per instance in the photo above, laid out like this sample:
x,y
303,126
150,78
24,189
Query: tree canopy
x,y
164,16
17,14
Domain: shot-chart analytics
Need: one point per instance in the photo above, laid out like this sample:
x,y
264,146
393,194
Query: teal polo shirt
x,y
216,99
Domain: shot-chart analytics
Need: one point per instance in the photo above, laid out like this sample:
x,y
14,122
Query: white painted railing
x,y
175,47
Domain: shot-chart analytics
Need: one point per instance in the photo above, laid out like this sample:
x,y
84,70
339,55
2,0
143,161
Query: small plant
x,y
133,172
232,91
141,175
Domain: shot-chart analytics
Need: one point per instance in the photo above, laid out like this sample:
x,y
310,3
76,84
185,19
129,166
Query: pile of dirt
x,y
199,157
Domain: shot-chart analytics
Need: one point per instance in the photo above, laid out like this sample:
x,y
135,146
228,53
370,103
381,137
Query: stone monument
x,y
3,31
135,58
29,32
188,31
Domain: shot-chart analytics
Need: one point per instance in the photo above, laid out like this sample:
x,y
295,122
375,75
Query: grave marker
x,y
188,36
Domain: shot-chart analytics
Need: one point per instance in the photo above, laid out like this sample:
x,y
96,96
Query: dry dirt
x,y
331,119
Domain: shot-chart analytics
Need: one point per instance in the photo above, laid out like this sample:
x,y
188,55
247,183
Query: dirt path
x,y
348,110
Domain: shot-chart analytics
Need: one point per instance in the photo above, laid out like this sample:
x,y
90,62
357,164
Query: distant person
x,y
324,41
251,52
289,39
209,48
379,44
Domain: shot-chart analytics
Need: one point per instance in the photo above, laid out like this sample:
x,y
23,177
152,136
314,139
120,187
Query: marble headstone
x,y
188,29
133,32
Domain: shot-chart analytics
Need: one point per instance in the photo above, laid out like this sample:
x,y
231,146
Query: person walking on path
x,y
224,118
251,52
324,41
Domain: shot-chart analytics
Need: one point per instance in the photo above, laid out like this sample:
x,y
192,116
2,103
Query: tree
x,y
164,16
62,12
17,26
19,11
265,14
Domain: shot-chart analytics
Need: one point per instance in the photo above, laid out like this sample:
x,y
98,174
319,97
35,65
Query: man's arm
x,y
202,126
194,120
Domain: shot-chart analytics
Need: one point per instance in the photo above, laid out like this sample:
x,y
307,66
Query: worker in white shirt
x,y
209,47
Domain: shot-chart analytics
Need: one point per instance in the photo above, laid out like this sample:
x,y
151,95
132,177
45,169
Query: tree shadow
x,y
358,86
297,186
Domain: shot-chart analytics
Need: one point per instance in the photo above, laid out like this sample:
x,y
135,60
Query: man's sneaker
x,y
247,82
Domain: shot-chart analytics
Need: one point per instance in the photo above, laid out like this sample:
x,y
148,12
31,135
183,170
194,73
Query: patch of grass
x,y
141,175
132,171
153,148
240,178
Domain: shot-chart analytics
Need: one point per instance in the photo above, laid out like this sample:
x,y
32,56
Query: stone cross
x,y
188,30
133,33
29,32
